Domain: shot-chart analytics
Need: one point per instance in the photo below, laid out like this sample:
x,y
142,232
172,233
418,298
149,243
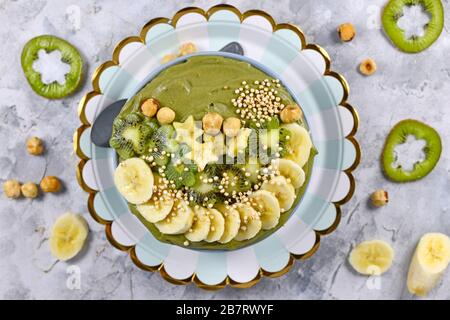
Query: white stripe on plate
x,y
296,235
180,263
242,265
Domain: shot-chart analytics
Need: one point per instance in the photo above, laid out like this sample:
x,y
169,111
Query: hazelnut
x,y
30,190
35,146
168,57
11,189
346,32
212,122
149,107
368,67
187,48
291,113
165,115
50,184
231,126
379,198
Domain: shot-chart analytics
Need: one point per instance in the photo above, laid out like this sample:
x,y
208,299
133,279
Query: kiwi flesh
x,y
130,134
394,10
182,175
203,192
236,177
69,55
398,135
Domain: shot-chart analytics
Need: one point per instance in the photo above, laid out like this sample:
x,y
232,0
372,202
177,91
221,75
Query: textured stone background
x,y
406,86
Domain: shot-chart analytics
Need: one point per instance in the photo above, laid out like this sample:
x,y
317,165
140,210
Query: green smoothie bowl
x,y
213,152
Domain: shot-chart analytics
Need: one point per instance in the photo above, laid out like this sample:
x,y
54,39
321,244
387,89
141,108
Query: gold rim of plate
x,y
96,91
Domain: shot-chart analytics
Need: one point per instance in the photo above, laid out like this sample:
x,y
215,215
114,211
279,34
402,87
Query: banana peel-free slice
x,y
372,257
68,235
429,262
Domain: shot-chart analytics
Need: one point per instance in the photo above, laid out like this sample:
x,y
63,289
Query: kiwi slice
x,y
236,177
182,175
69,55
398,135
161,144
394,10
130,135
251,169
204,191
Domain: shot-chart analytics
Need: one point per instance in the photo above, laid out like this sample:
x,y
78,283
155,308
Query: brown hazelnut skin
x,y
212,122
11,189
50,184
368,67
29,190
187,48
346,32
165,115
149,107
35,146
379,198
291,113
231,126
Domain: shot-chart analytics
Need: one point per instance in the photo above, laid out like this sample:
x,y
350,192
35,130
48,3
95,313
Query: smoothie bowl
x,y
213,152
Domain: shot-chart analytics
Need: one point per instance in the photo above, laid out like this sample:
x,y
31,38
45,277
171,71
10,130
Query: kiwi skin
x,y
69,55
394,9
398,136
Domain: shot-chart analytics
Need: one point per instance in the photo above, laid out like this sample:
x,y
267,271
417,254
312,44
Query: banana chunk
x,y
68,235
250,222
299,144
200,227
372,257
178,221
282,190
154,211
232,223
267,205
217,225
428,263
134,180
291,171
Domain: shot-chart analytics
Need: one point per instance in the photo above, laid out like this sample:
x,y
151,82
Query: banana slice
x,y
250,222
217,225
178,221
267,205
282,190
68,235
299,144
159,206
134,180
200,227
293,173
232,223
372,257
429,262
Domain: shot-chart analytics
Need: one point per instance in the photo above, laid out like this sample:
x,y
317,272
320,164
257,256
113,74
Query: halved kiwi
x,y
394,10
69,55
397,136
130,135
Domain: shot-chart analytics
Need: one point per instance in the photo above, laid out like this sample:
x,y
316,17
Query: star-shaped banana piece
x,y
238,143
187,131
202,154
217,141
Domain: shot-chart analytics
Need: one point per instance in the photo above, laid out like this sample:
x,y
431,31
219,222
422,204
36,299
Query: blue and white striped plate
x,y
304,68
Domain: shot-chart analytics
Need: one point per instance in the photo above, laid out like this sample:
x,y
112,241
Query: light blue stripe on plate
x,y
211,267
291,37
222,33
90,149
101,208
334,154
116,83
150,251
277,55
224,15
311,208
113,202
162,41
322,94
271,254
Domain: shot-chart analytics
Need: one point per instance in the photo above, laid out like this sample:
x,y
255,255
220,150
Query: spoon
x,y
102,128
